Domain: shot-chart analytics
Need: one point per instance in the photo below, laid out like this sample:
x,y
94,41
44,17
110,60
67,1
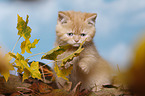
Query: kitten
x,y
89,68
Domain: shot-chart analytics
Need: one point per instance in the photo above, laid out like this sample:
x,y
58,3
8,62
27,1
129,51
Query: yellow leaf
x,y
64,72
19,66
20,70
20,57
35,70
35,65
36,41
12,56
70,57
27,60
52,54
23,29
5,65
18,62
23,44
75,54
28,49
27,45
27,34
24,63
26,74
6,74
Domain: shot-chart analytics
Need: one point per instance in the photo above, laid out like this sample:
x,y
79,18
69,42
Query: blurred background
x,y
119,25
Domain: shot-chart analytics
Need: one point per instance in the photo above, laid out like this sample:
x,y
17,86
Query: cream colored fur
x,y
89,67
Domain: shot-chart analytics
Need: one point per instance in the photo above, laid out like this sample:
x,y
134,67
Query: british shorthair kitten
x,y
89,67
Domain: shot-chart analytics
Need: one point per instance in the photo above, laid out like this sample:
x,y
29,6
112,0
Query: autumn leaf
x,y
12,55
18,57
26,74
5,65
75,54
6,74
27,60
35,70
64,72
70,57
18,60
52,54
27,45
23,29
22,65
35,42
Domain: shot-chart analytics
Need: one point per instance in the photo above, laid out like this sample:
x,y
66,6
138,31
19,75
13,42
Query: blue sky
x,y
119,23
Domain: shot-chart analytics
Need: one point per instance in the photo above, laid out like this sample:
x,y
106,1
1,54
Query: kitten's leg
x,y
87,63
60,82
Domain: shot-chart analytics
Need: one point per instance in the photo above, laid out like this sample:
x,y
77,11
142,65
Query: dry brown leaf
x,y
12,85
40,87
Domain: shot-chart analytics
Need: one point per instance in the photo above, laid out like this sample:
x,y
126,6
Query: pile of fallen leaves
x,y
47,86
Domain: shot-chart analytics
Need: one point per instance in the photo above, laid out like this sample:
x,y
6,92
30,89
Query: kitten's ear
x,y
91,19
62,17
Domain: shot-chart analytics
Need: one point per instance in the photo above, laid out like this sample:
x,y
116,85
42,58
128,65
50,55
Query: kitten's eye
x,y
83,34
70,34
90,23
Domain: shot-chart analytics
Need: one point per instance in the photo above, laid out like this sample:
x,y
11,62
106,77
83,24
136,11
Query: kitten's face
x,y
74,27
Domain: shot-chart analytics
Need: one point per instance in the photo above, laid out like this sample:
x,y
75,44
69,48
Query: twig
x,y
60,85
25,88
16,44
43,74
20,93
35,55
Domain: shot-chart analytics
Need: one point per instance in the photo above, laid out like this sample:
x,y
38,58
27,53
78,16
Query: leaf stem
x,y
55,61
35,55
16,43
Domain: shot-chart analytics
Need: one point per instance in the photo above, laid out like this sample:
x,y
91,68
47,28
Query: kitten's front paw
x,y
84,68
68,64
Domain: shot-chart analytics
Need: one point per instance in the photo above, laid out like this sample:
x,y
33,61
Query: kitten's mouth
x,y
76,44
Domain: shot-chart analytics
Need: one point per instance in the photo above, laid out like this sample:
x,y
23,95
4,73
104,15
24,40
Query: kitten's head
x,y
74,27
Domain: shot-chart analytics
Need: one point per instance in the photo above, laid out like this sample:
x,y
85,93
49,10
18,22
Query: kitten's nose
x,y
76,40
